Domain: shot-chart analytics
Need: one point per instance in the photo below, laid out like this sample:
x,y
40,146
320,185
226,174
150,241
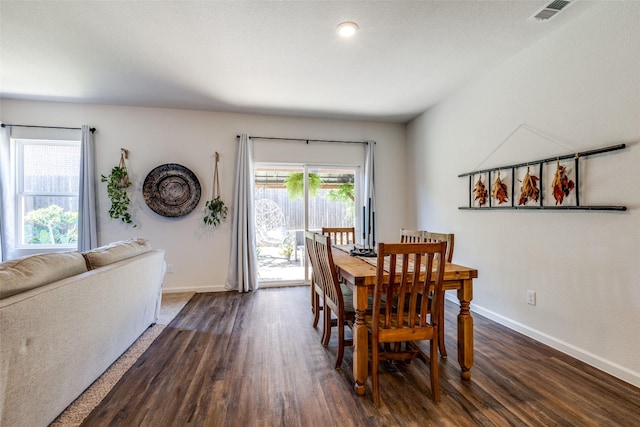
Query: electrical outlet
x,y
169,268
531,297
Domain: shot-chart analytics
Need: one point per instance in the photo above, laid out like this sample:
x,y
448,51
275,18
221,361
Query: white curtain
x,y
243,262
369,195
87,234
7,217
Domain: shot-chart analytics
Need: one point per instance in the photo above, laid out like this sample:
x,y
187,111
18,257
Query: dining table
x,y
359,274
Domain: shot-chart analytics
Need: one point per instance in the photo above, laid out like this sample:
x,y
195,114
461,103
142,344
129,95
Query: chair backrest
x,y
327,273
405,271
340,235
416,236
310,247
410,236
440,237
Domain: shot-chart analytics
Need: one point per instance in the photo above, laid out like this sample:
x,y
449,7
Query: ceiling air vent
x,y
551,10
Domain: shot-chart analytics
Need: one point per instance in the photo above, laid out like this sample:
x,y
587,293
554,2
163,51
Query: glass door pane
x,y
279,221
282,215
331,197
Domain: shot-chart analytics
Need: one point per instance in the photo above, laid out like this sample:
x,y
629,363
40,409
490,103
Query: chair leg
x,y
375,379
312,286
316,309
326,334
435,383
340,342
443,349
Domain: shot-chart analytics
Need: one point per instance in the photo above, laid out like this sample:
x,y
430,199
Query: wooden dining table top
x,y
363,269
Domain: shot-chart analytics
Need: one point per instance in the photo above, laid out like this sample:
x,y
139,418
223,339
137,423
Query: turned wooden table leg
x,y
360,341
465,330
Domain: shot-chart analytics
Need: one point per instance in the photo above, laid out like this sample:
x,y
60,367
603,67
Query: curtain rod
x,y
45,127
307,140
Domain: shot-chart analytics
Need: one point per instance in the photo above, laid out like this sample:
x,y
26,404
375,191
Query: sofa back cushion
x,y
22,274
115,252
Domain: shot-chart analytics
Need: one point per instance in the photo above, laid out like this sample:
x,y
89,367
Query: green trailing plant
x,y
344,194
117,184
214,212
295,184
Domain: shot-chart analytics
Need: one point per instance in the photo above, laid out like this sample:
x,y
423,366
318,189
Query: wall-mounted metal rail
x,y
542,163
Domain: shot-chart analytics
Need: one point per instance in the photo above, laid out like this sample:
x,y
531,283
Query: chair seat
x,y
402,333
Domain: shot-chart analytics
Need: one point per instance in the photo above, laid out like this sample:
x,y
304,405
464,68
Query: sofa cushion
x,y
115,252
22,274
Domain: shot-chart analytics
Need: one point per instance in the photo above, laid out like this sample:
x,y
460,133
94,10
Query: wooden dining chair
x,y
338,298
340,235
448,238
428,236
317,292
410,236
404,271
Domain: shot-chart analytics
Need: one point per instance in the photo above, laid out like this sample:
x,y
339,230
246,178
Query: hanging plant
x,y
214,210
117,184
295,184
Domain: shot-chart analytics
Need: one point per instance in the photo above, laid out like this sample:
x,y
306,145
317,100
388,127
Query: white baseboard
x,y
221,288
196,289
594,360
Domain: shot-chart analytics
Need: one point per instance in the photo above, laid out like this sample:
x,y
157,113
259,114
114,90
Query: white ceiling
x,y
274,57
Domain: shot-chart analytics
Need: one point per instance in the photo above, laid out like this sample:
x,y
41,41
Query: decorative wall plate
x,y
171,190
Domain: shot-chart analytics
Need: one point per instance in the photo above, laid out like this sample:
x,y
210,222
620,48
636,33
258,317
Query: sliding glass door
x,y
291,198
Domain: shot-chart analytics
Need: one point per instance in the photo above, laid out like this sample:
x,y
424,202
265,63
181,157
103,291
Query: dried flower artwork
x,y
481,192
499,191
529,189
561,185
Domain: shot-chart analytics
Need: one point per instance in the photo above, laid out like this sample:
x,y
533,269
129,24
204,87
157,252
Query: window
x,y
47,187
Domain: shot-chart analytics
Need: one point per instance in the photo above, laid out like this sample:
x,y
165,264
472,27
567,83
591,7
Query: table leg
x,y
360,341
465,330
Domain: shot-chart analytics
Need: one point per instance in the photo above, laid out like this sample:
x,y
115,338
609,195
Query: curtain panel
x,y
7,208
243,262
87,228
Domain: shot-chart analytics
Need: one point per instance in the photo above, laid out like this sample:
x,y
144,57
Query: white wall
x,y
581,87
156,136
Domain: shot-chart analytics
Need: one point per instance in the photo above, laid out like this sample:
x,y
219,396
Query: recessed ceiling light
x,y
347,29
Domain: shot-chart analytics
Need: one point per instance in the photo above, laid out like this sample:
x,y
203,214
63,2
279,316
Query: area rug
x,y
81,407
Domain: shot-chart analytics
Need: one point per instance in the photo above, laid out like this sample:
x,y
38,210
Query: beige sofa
x,y
65,318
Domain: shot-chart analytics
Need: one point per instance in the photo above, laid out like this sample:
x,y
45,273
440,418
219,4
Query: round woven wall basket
x,y
171,190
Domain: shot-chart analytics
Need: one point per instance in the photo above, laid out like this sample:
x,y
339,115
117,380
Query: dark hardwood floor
x,y
255,360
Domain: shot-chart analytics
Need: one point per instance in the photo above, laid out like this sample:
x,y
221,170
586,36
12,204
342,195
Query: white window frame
x,y
18,145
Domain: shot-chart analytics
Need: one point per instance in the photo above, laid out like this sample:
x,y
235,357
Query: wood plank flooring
x,y
255,360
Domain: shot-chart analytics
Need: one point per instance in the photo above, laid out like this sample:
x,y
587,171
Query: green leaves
x,y
295,184
214,212
117,184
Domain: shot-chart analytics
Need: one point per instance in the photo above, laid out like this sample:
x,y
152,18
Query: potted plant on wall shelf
x,y
215,210
117,184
